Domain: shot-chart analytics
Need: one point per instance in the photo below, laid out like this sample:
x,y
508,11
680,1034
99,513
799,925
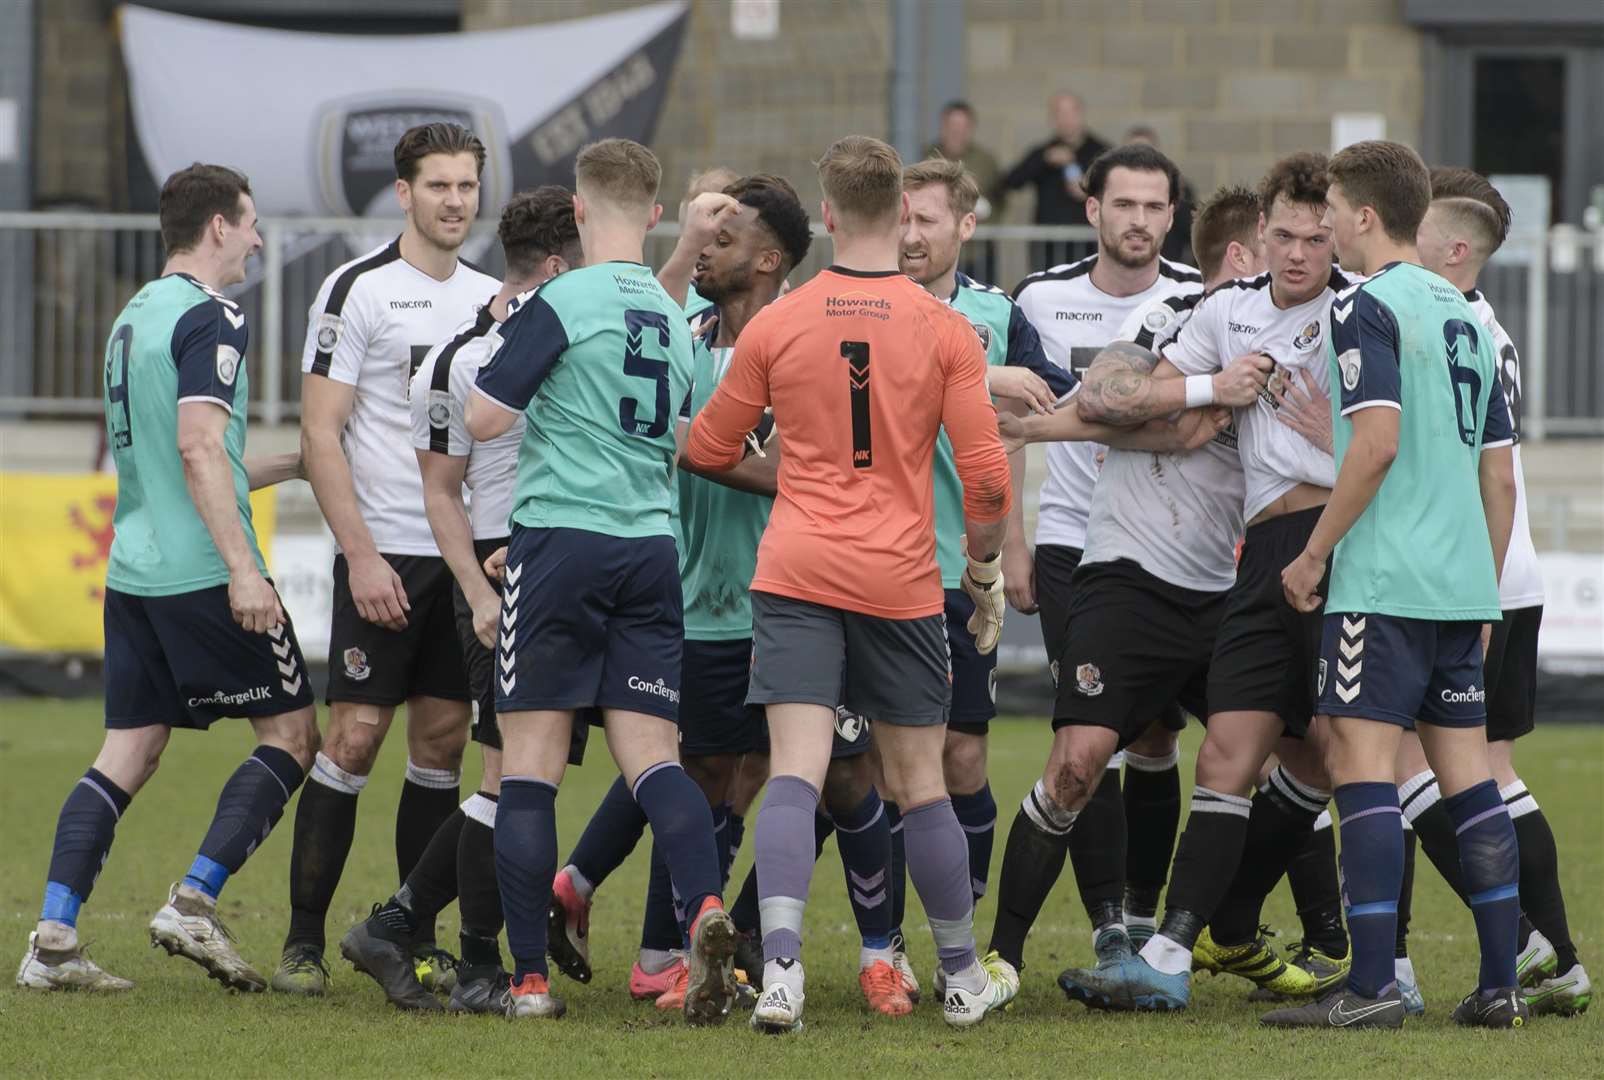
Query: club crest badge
x,y
1088,680
356,140
356,664
1320,687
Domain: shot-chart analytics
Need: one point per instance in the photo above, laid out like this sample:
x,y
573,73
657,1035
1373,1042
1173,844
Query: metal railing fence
x,y
65,276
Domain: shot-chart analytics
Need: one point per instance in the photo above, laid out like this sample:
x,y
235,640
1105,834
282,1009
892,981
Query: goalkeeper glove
x,y
759,437
982,580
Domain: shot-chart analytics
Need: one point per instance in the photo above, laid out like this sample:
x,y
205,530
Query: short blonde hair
x,y
861,178
962,191
618,171
716,178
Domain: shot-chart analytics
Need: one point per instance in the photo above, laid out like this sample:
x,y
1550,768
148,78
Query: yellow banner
x,y
55,537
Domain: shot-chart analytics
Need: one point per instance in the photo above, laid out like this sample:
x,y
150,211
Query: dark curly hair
x,y
779,208
535,224
1298,178
1138,157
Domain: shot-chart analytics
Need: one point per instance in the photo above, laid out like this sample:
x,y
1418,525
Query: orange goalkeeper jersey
x,y
862,370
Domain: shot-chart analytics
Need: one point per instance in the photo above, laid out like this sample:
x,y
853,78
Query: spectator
x,y
1178,244
1055,168
956,142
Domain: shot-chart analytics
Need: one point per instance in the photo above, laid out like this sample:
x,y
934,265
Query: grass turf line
x,y
178,1023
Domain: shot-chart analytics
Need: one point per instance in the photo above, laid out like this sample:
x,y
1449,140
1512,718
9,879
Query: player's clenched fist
x,y
703,217
983,581
254,603
1242,379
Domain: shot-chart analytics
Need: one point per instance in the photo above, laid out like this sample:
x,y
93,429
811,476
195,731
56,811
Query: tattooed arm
x,y
1128,384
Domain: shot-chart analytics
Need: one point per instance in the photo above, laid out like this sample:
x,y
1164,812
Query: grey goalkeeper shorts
x,y
891,671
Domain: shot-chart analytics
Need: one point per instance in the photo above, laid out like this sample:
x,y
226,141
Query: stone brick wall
x,y
1229,85
79,139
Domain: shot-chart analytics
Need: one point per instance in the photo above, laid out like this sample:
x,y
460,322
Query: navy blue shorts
x,y
1398,671
480,664
974,677
183,661
590,620
714,717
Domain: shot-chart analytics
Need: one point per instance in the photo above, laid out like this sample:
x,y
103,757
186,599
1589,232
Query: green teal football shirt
x,y
599,360
1407,340
1009,338
176,341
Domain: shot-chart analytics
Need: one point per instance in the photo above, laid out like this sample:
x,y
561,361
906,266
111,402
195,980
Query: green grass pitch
x,y
178,1023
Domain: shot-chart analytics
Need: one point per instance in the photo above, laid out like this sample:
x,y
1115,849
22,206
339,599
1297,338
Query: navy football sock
x,y
899,867
977,813
660,923
1490,862
83,839
864,839
610,835
737,834
1372,873
682,825
249,806
526,861
721,841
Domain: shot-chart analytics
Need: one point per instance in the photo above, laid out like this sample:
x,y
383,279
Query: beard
x,y
718,289
1114,246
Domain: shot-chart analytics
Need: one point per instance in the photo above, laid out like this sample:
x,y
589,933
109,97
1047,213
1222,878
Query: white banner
x,y
1573,607
302,565
313,119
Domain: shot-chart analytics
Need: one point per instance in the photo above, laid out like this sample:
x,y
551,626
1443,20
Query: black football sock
x,y
1283,813
1152,794
1033,858
1421,800
479,897
1406,894
1540,893
1097,851
432,884
1316,891
325,822
1210,848
428,798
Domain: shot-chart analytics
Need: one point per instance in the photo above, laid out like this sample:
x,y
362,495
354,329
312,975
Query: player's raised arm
x,y
718,434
